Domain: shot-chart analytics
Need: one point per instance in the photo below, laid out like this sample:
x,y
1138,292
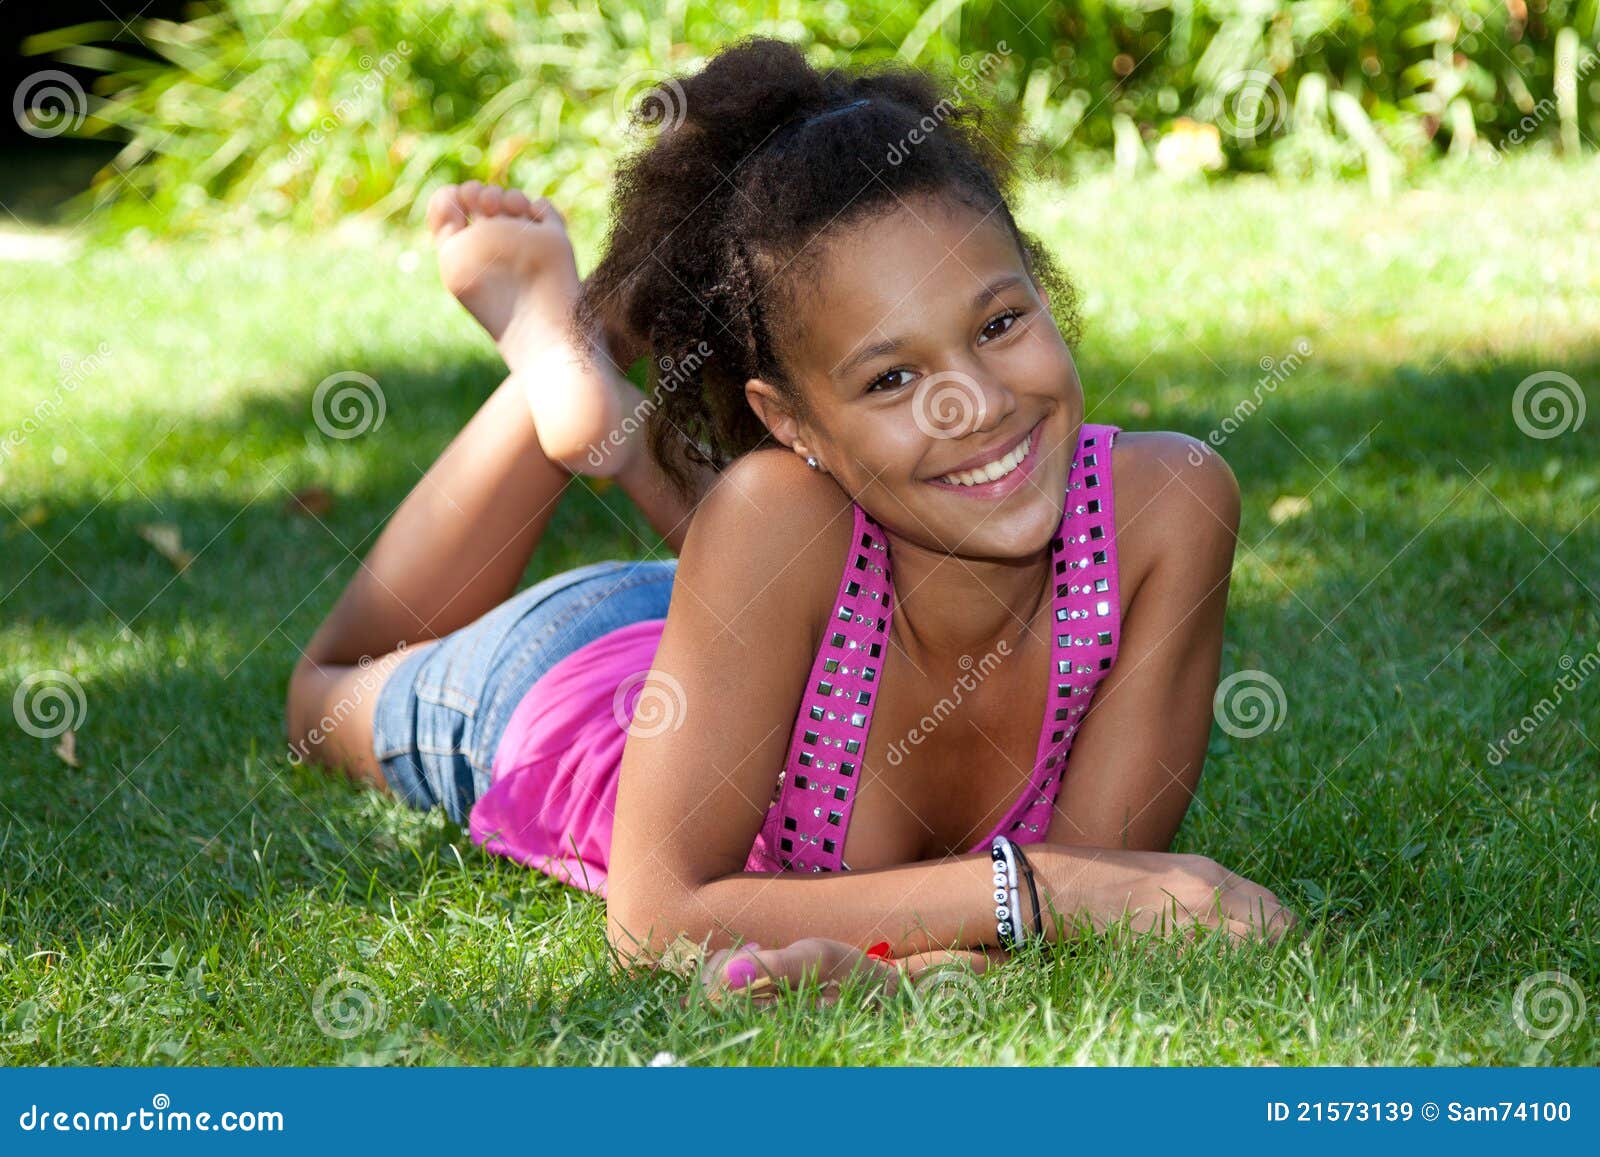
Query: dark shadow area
x,y
19,22
37,178
271,543
39,173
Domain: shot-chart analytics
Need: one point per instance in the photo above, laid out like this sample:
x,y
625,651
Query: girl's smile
x,y
994,476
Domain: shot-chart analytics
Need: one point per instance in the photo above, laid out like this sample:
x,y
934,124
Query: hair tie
x,y
805,122
833,112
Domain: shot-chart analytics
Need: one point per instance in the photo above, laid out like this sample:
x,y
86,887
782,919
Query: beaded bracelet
x,y
1007,900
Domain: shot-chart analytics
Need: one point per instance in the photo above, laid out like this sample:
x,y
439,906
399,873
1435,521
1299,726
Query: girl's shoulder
x,y
1174,495
770,525
1146,461
772,494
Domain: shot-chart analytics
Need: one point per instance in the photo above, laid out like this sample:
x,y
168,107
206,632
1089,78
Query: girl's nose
x,y
955,403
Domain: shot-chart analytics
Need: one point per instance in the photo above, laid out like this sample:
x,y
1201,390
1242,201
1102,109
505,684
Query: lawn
x,y
1415,572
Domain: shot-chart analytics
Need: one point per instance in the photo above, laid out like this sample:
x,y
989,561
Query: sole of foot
x,y
507,259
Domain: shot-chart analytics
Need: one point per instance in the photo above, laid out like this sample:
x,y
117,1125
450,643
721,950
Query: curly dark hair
x,y
712,224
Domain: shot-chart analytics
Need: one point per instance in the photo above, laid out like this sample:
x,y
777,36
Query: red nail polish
x,y
879,951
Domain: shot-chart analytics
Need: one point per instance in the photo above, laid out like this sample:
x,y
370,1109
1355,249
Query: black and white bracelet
x,y
1007,899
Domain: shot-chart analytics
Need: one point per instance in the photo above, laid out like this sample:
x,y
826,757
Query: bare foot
x,y
508,260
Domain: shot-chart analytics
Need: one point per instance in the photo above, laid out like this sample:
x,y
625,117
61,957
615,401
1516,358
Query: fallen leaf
x,y
310,502
1287,506
168,542
67,749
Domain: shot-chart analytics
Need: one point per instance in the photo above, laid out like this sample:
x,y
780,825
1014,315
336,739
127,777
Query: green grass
x,y
183,895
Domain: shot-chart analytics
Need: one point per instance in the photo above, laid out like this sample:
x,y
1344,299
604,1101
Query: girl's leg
x,y
459,544
455,549
506,258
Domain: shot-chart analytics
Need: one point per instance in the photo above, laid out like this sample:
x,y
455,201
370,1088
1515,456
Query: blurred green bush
x,y
310,110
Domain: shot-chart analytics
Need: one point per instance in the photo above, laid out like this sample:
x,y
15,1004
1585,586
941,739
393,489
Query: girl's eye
x,y
1004,322
1009,318
886,380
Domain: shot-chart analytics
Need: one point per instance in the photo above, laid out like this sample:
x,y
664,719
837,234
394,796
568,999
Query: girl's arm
x,y
935,907
1136,759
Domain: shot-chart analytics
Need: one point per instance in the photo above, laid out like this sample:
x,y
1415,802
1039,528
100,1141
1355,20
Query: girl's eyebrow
x,y
876,350
996,287
891,345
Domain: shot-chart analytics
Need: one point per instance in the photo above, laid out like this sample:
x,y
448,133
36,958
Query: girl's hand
x,y
1163,892
763,974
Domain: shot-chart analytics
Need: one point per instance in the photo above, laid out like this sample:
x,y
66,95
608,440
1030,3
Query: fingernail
x,y
740,972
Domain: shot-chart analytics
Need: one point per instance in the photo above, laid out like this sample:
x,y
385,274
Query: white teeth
x,y
997,469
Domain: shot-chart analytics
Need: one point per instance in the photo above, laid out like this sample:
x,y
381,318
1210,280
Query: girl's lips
x,y
1000,487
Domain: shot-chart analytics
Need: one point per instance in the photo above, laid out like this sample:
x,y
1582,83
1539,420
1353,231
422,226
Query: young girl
x,y
932,637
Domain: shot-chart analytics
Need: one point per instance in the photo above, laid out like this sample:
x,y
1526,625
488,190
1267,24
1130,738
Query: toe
x,y
471,193
543,209
446,213
516,203
491,200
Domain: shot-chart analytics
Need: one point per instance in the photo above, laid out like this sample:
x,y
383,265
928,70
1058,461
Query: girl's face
x,y
929,362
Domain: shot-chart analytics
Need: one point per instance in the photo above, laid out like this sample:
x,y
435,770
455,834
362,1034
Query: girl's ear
x,y
774,413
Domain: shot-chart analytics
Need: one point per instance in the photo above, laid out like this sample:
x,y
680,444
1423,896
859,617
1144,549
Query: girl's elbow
x,y
646,941
645,923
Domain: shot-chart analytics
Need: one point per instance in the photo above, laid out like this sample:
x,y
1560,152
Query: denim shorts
x,y
441,713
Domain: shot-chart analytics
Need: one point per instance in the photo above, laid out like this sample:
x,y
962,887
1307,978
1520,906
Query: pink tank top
x,y
554,777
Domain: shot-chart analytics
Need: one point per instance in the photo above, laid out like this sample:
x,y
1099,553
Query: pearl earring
x,y
811,462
